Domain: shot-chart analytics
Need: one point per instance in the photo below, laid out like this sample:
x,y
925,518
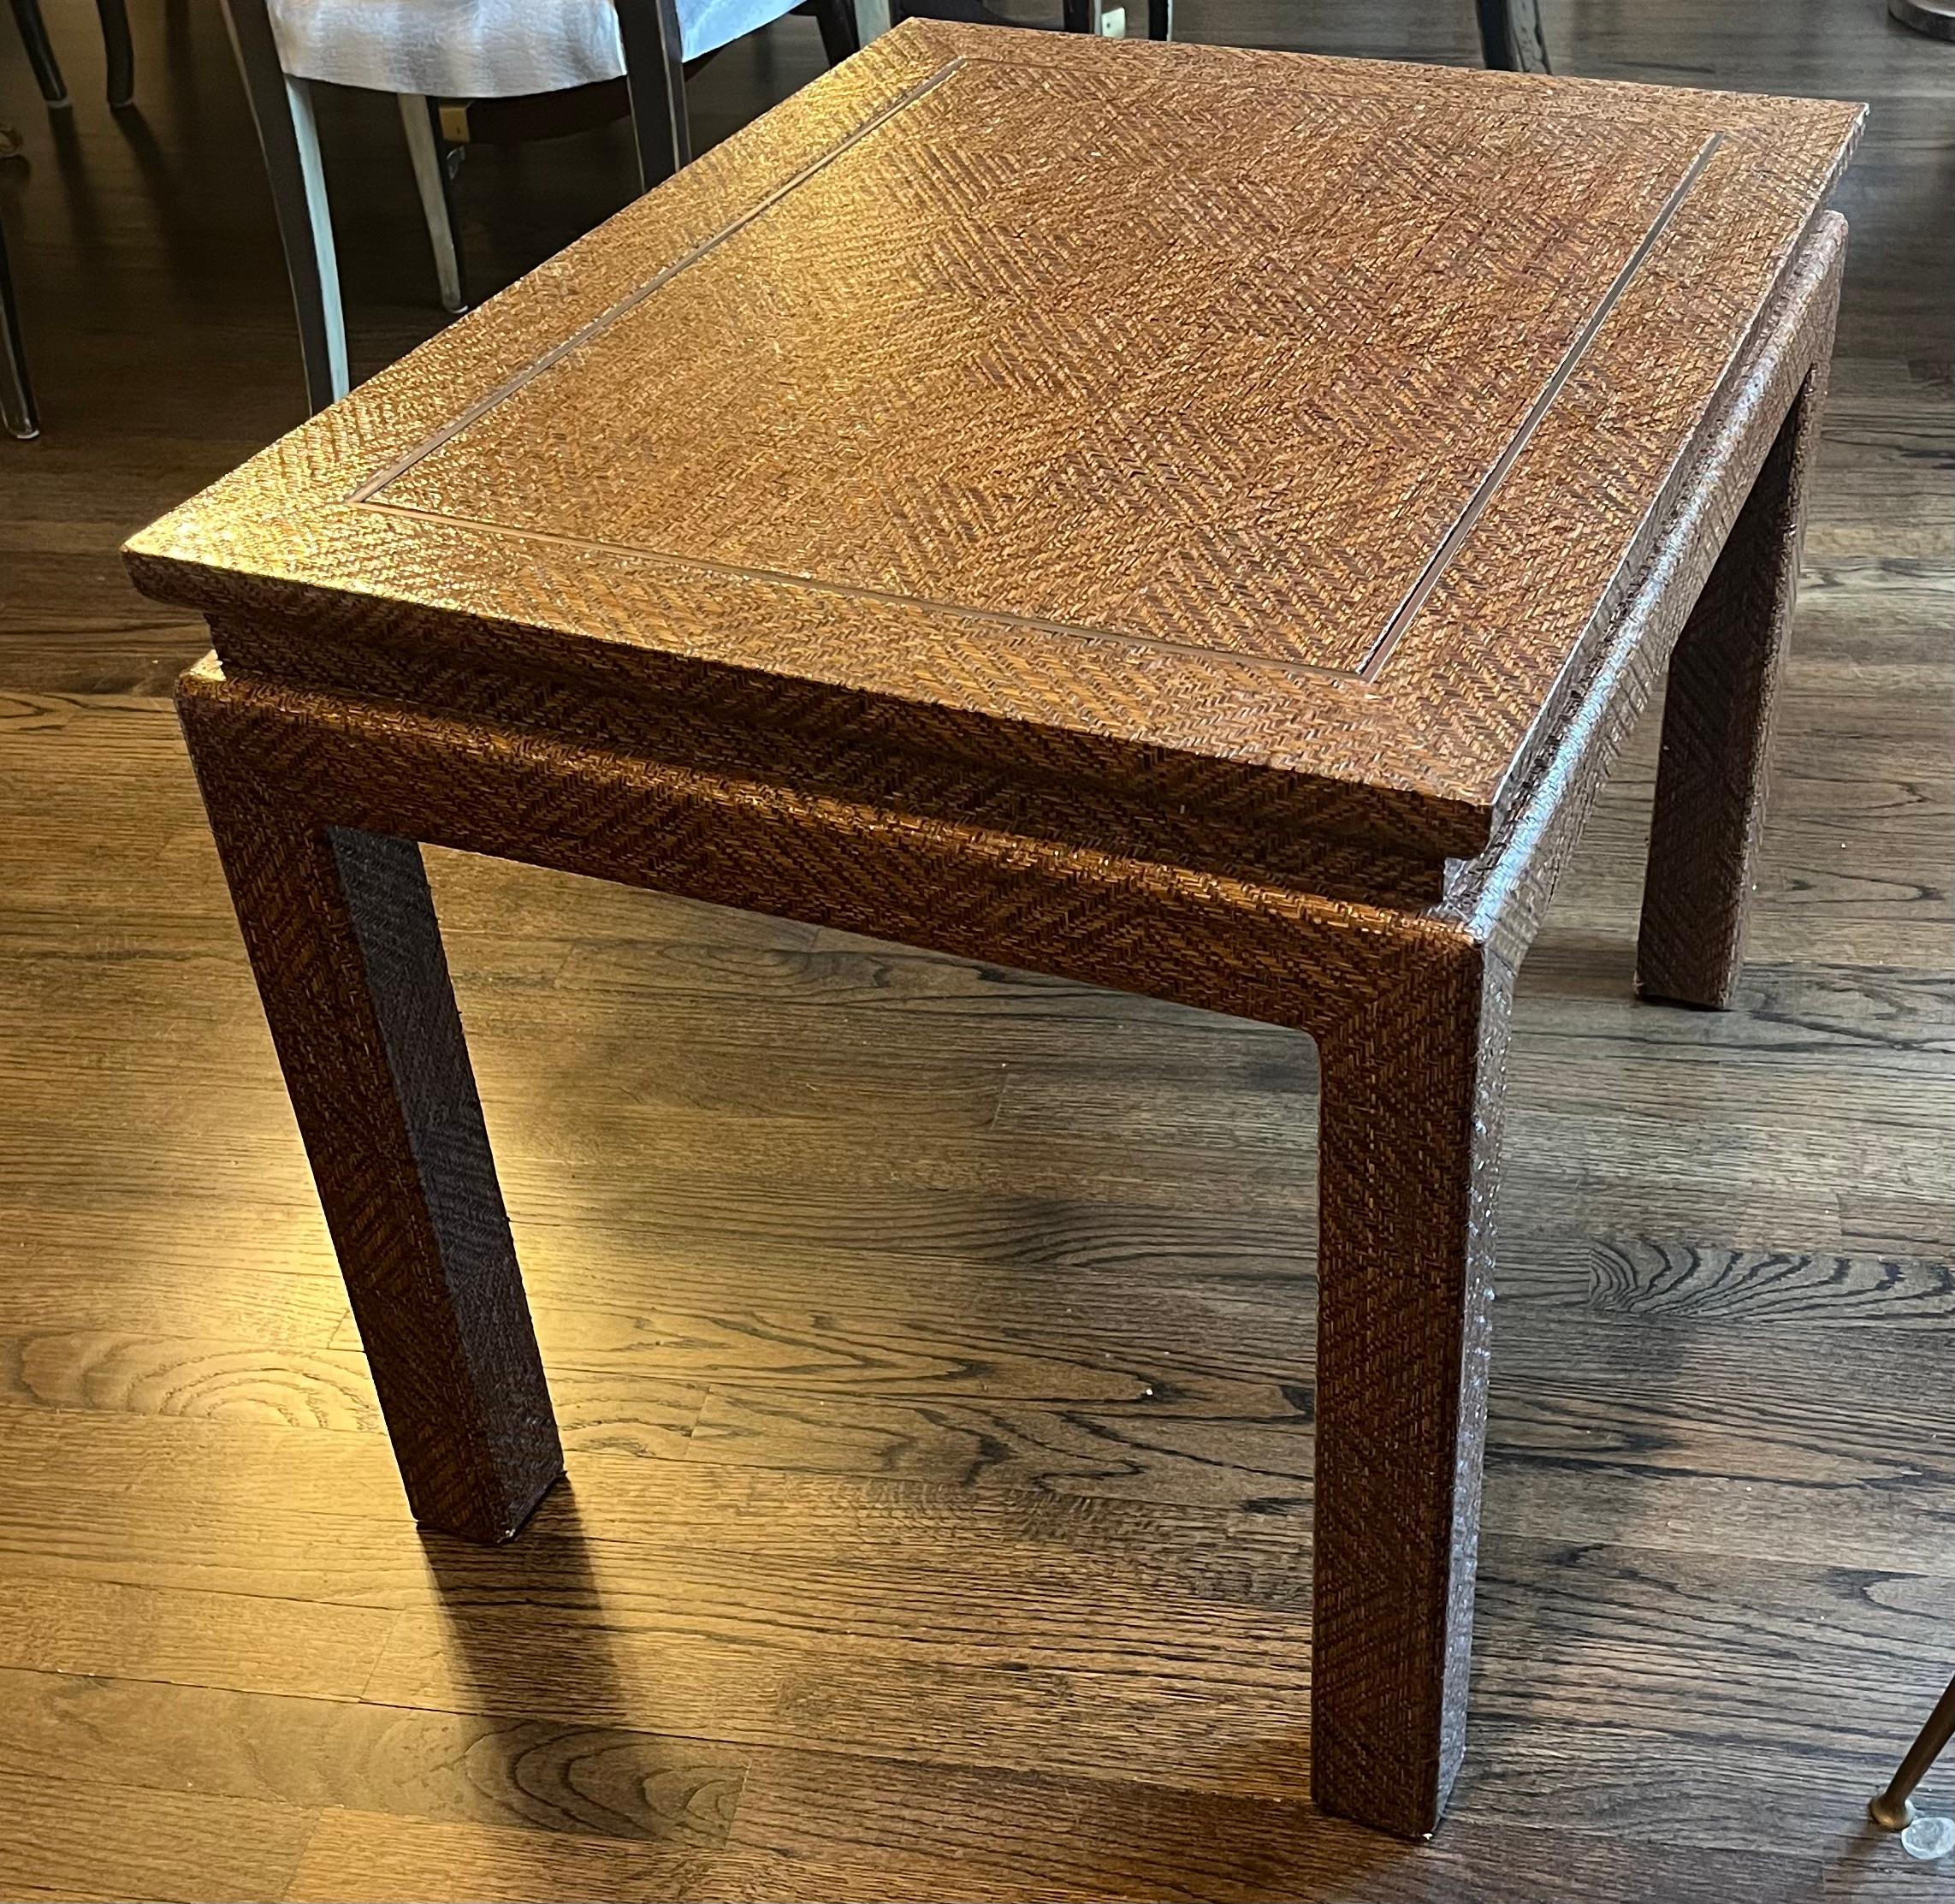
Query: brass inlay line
x,y
1407,610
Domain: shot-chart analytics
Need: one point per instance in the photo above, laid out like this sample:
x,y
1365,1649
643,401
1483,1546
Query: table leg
x,y
341,934
1710,783
1412,1087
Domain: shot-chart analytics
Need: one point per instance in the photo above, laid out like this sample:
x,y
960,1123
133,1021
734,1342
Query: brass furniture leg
x,y
1893,1808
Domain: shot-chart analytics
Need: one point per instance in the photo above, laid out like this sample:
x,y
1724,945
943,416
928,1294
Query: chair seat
x,y
483,49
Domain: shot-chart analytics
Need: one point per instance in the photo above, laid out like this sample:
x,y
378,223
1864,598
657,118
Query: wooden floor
x,y
934,1341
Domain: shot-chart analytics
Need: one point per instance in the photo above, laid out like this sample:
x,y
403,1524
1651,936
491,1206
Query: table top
x,y
1288,420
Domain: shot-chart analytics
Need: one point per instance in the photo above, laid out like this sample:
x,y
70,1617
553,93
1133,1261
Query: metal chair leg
x,y
1160,19
1893,1809
118,51
306,218
17,415
431,177
40,51
282,110
654,78
1512,40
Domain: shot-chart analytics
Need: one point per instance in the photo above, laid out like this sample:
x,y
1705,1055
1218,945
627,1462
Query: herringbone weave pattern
x,y
1106,406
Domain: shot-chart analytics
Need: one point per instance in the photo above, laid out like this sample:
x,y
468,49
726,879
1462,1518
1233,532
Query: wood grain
x,y
69,1838
186,1634
362,1856
309,1754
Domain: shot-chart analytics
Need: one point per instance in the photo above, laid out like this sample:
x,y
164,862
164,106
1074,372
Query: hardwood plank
x,y
1879,1873
1680,1282
311,1754
1588,1476
71,1837
1642,1408
1708,1647
994,1839
1192,1736
356,1857
248,1509
173,1276
1669,1787
226,1381
1261,1462
201,1638
1692,1646
1027,1836
1884,1221
216,1381
759,1240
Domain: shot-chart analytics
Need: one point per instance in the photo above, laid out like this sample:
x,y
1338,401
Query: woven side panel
x,y
1248,948
790,741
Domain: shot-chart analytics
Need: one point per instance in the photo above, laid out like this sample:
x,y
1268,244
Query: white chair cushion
x,y
483,49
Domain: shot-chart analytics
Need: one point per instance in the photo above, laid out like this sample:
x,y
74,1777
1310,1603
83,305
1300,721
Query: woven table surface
x,y
1298,422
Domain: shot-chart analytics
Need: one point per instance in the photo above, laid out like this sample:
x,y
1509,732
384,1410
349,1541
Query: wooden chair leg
x,y
118,51
40,52
431,180
342,938
1711,777
655,77
281,108
17,414
1412,1088
1512,39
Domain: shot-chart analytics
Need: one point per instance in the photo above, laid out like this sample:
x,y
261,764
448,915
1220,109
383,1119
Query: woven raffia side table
x,y
1191,520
